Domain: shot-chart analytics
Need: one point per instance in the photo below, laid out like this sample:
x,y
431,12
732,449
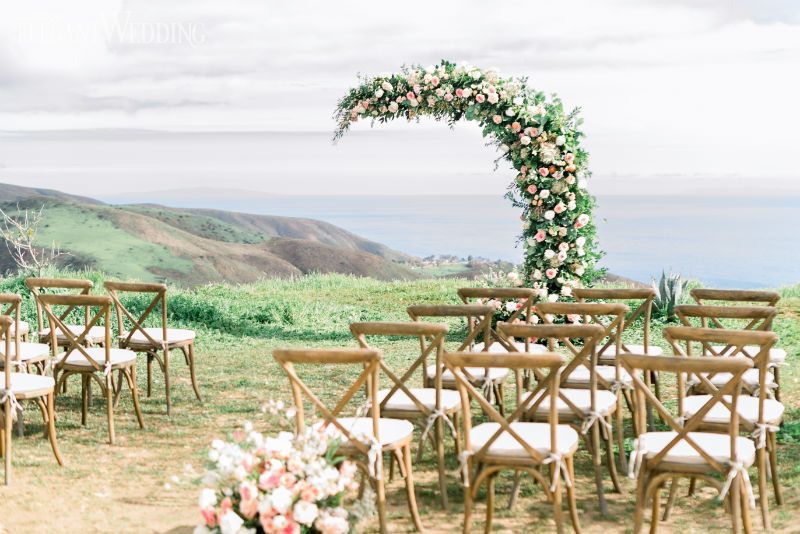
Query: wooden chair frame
x,y
584,423
768,298
515,293
151,347
35,285
480,465
644,308
370,360
435,332
655,472
766,449
78,343
10,403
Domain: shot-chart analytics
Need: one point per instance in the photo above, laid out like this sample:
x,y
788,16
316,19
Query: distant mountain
x,y
190,247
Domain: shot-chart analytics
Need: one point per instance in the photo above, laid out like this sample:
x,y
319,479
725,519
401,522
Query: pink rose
x,y
411,96
435,81
417,89
532,189
560,208
544,171
497,118
459,92
551,273
571,167
570,179
573,318
480,98
515,126
386,86
582,220
209,516
569,158
562,255
448,97
539,235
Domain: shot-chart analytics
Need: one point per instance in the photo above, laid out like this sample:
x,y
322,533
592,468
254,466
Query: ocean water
x,y
728,242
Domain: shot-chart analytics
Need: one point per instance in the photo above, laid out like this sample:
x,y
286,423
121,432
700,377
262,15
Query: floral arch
x,y
531,131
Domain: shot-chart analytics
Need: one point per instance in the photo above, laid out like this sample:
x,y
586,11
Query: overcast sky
x,y
694,87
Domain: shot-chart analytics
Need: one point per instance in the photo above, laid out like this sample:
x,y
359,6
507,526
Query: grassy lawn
x,y
143,483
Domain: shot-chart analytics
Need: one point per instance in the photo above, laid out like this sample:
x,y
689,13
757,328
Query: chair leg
x,y
623,462
190,350
149,375
468,501
439,429
558,513
118,391
772,450
380,497
611,461
641,496
20,424
8,424
51,427
130,376
692,486
763,499
598,476
412,496
456,437
84,398
109,391
166,382
673,491
43,408
573,505
736,509
656,507
512,500
487,527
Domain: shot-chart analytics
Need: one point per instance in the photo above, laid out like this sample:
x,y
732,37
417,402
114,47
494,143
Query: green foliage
x,y
670,291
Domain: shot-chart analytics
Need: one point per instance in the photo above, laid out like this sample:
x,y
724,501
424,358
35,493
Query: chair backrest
x,y
592,313
432,339
524,313
37,285
585,355
767,298
471,312
159,292
12,311
76,342
369,362
519,361
645,307
5,325
753,318
683,368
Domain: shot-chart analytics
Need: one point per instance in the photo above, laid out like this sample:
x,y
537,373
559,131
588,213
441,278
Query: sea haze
x,y
722,241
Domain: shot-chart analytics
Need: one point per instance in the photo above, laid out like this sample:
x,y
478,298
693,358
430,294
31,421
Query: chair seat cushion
x,y
30,351
96,334
579,377
174,335
118,357
776,355
497,348
750,378
427,396
28,384
496,374
610,354
605,402
718,446
536,435
746,406
24,328
390,430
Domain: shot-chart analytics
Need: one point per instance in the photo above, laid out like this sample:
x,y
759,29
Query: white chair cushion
x,y
610,353
390,430
95,332
497,348
746,406
718,446
536,435
497,374
605,401
427,396
580,376
775,355
26,382
750,377
174,335
118,357
24,328
30,351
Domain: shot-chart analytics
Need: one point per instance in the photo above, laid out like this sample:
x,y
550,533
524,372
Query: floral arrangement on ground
x,y
532,132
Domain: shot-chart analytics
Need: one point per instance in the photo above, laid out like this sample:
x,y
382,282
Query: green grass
x,y
200,225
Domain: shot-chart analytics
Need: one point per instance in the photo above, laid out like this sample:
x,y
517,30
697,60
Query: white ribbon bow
x,y
560,468
107,369
434,415
759,434
590,420
770,386
738,468
8,396
488,388
374,455
635,460
463,465
617,385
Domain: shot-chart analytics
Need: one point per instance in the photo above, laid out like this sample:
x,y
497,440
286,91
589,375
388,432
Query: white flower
x,y
560,140
281,499
537,274
548,153
549,214
531,242
571,205
553,297
566,291
493,98
525,140
518,101
393,107
510,112
305,512
476,74
503,148
413,103
466,92
511,306
386,86
579,270
208,498
230,523
549,253
379,93
430,69
582,183
544,193
580,241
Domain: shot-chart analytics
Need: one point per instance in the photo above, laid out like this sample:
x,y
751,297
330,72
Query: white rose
x,y
531,242
511,306
566,291
503,148
379,93
518,101
553,297
208,498
537,274
493,98
560,140
580,241
476,74
571,205
393,107
549,253
386,86
413,103
305,512
549,214
582,183
544,193
440,92
281,499
525,140
230,523
579,270
430,69
510,112
466,92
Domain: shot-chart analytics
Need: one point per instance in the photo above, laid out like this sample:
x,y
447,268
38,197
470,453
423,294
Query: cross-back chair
x,y
684,451
588,411
510,443
431,407
16,387
41,286
479,324
26,356
758,416
91,363
524,313
364,439
155,342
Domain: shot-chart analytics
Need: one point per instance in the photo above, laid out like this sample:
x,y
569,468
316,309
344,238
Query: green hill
x,y
191,247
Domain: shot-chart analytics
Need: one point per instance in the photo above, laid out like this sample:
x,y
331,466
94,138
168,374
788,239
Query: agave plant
x,y
669,293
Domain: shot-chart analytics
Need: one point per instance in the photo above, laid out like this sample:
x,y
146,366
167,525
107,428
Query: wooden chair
x,y
25,356
365,439
38,287
611,378
509,443
759,416
91,363
479,323
585,410
683,451
22,386
152,341
431,407
525,313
